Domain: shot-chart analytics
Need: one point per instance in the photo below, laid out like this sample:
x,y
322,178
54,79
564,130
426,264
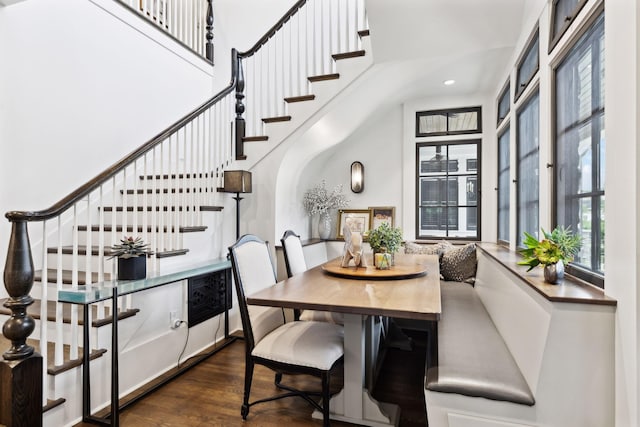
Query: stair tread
x,y
52,368
34,311
346,55
172,253
276,119
52,403
255,138
109,228
324,77
300,98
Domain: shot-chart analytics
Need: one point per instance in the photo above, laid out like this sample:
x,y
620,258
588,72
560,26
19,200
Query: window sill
x,y
567,290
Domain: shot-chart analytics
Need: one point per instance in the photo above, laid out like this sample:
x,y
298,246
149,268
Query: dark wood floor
x,y
210,394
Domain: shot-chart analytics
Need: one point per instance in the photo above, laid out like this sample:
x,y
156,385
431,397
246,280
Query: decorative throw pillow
x,y
436,249
459,264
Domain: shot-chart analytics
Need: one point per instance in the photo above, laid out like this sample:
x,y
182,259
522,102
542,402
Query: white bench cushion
x,y
473,359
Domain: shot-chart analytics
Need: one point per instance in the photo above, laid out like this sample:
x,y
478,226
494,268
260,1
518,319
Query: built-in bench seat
x,y
514,351
473,359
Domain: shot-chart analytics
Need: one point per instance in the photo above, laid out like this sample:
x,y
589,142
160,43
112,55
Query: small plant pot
x,y
134,268
554,272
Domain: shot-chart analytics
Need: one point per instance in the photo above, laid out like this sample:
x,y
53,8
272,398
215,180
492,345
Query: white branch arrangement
x,y
319,201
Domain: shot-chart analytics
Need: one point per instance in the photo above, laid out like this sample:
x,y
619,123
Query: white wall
x,y
622,239
377,144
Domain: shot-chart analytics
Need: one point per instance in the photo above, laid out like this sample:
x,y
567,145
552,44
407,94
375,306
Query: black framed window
x,y
580,148
504,103
527,155
504,184
563,13
448,196
456,121
528,64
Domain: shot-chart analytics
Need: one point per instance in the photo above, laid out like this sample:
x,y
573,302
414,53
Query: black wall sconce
x,y
357,177
237,182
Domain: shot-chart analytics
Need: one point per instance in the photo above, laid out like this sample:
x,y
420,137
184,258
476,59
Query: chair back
x,y
293,254
253,271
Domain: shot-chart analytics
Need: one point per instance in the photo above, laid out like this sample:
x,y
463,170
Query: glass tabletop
x,y
96,292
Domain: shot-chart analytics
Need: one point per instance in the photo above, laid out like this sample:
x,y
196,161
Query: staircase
x,y
165,191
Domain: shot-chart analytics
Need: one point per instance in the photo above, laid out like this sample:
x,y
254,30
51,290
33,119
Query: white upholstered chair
x,y
296,264
313,348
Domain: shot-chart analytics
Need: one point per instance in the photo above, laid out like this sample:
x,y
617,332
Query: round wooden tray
x,y
406,267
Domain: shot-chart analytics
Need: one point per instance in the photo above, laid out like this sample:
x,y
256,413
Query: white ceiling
x,y
471,41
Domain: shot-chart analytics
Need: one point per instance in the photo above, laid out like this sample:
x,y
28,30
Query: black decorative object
x,y
208,296
134,268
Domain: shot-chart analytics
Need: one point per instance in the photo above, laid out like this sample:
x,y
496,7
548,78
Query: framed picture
x,y
381,215
355,219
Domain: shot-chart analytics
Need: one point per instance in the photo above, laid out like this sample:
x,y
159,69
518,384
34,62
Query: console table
x,y
110,290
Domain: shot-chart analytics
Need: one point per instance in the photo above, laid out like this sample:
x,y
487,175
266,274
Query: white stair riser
x,y
67,262
171,199
175,183
118,235
153,218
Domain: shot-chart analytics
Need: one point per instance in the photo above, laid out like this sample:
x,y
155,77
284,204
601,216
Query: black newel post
x,y
21,366
240,123
209,45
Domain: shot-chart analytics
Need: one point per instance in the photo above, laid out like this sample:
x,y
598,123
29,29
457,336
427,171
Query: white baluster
x,y
44,303
59,343
73,354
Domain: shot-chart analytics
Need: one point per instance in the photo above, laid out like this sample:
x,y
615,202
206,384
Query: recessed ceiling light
x,y
449,82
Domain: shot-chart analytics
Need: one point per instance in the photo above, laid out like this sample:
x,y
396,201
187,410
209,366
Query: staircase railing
x,y
190,22
299,49
72,243
138,195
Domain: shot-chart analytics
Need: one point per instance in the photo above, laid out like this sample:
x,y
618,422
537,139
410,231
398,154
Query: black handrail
x,y
273,30
236,76
87,188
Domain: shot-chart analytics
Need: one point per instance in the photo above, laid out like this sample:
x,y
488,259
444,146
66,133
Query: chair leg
x,y
278,379
325,399
248,377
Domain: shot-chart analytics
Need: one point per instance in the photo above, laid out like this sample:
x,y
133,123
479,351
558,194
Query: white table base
x,y
354,404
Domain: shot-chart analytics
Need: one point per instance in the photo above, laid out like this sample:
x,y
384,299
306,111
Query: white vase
x,y
324,226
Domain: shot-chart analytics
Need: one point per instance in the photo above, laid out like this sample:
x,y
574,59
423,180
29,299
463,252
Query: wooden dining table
x,y
361,296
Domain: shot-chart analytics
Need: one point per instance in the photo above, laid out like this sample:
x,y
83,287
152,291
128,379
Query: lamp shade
x,y
237,182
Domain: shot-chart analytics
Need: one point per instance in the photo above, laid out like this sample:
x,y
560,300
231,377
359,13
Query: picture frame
x,y
356,219
381,215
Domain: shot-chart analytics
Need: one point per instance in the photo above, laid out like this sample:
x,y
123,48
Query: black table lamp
x,y
237,182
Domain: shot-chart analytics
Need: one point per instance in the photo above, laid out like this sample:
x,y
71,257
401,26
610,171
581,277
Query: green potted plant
x,y
385,239
557,248
132,258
